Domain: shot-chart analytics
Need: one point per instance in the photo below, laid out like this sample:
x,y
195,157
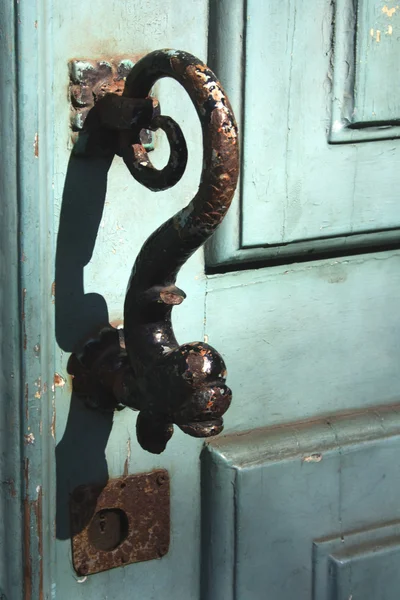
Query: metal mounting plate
x,y
124,522
89,81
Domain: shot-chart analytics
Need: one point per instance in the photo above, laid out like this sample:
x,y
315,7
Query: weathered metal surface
x,y
126,521
168,383
92,80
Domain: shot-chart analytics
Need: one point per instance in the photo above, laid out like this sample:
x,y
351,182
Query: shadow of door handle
x,y
149,371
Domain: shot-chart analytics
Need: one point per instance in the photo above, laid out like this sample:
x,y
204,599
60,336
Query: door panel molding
x,y
365,105
301,197
340,564
275,492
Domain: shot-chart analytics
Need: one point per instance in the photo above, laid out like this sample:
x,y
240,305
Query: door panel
x,y
313,80
305,511
308,339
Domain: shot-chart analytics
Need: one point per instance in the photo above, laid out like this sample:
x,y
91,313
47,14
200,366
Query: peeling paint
x,y
389,11
38,384
313,458
53,419
29,438
36,145
59,381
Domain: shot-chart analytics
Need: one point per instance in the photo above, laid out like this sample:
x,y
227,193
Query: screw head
x,y
162,478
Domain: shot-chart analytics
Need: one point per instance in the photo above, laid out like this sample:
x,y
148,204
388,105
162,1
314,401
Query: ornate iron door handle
x,y
166,382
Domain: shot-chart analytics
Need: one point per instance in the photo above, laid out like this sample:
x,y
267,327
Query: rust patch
x,y
138,506
27,538
32,507
58,380
23,315
91,81
36,145
11,486
37,507
26,398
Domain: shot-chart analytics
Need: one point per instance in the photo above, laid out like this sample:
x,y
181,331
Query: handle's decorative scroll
x,y
168,383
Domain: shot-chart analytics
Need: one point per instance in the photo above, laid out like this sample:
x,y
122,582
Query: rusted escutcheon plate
x,y
124,522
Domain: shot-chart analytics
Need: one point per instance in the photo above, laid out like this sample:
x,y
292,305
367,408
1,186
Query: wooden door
x,y
298,290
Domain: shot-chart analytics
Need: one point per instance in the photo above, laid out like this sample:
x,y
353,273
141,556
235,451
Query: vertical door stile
x,y
33,30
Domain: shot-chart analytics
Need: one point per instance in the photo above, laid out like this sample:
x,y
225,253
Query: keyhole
x,y
108,529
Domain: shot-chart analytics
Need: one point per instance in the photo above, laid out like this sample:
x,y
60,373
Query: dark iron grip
x,y
166,382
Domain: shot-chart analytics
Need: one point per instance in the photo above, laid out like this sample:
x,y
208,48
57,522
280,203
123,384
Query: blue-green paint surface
x,y
301,341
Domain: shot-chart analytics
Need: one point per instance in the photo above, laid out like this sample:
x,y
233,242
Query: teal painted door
x,y
298,290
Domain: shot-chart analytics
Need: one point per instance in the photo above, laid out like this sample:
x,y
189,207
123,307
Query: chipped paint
x,y
316,457
378,35
29,438
389,11
53,419
59,381
36,145
38,385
